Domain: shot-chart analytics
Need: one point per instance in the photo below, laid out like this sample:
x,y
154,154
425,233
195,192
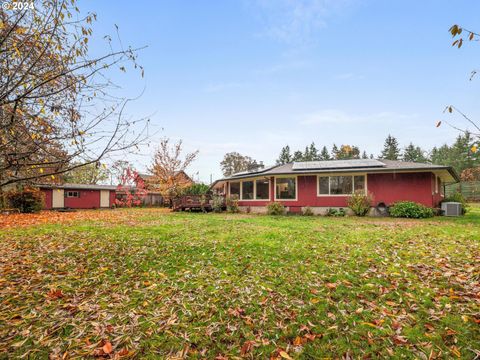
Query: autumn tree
x,y
391,149
234,162
131,189
345,152
169,166
285,157
414,153
56,108
94,173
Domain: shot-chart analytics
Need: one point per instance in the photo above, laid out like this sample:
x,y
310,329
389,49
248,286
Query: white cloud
x,y
297,21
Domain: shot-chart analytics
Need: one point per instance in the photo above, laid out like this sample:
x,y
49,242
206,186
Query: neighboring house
x,y
78,196
321,185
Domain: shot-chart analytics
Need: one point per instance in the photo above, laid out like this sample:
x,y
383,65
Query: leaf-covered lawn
x,y
144,283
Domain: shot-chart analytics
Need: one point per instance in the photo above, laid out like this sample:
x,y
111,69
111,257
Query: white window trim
x,y
285,177
241,181
340,174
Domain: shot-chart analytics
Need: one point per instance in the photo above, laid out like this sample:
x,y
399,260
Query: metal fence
x,y
469,189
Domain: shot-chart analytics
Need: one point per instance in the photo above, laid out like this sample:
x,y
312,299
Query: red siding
x,y
386,187
48,198
393,187
88,199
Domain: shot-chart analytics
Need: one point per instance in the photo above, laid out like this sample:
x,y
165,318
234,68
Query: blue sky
x,y
254,75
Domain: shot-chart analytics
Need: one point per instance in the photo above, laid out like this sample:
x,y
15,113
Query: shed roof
x,y
77,186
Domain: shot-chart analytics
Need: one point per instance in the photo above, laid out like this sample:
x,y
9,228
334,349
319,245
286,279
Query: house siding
x,y
89,199
384,187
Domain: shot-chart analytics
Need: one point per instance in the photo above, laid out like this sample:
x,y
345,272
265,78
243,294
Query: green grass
x,y
159,285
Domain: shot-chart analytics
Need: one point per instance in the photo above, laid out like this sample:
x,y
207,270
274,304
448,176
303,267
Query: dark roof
x,y
353,165
77,186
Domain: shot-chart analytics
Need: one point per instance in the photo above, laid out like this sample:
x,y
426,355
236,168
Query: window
x,y
341,185
262,189
247,190
323,186
235,189
359,183
285,188
74,194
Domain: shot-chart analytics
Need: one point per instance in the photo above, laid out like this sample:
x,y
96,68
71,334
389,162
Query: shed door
x,y
104,198
58,198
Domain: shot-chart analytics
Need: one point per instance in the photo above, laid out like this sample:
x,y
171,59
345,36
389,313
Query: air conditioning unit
x,y
452,209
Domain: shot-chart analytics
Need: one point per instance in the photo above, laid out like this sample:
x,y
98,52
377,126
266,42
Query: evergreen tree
x,y
313,152
364,155
460,155
335,152
414,153
391,150
324,154
285,156
297,156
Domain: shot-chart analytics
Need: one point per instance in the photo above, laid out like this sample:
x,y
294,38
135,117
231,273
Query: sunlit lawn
x,y
149,284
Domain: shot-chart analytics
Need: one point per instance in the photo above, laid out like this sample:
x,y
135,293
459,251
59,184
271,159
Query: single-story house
x,y
78,196
321,185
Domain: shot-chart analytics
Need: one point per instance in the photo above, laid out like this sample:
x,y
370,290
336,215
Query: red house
x,y
78,196
322,185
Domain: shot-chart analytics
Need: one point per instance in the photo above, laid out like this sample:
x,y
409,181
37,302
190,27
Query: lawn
x,y
145,283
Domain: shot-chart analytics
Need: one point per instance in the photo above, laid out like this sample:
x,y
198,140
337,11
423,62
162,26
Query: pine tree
x,y
285,156
335,151
391,150
297,156
313,152
414,153
364,155
324,154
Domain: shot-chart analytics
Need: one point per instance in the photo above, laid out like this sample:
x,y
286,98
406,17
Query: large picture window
x,y
247,190
235,189
262,189
340,185
285,188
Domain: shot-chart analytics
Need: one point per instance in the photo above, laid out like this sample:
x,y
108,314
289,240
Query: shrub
x,y
195,189
217,203
458,197
28,200
334,212
307,211
275,208
360,203
410,209
232,204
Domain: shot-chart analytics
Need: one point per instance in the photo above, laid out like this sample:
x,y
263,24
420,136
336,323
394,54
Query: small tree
x,y
131,188
285,157
391,150
87,174
234,162
324,154
414,153
168,168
